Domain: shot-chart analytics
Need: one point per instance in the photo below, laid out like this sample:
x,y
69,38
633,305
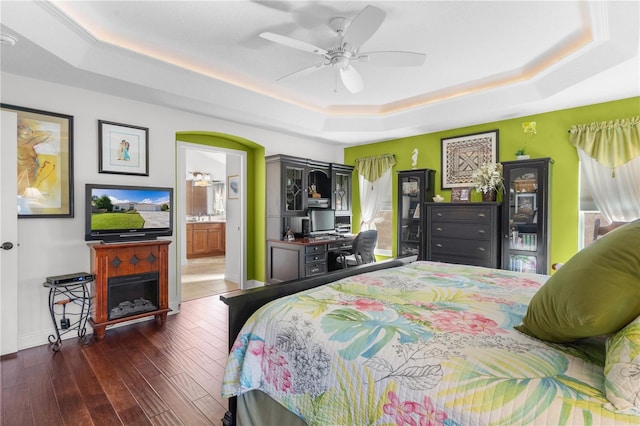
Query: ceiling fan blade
x,y
351,79
363,26
393,58
303,71
290,42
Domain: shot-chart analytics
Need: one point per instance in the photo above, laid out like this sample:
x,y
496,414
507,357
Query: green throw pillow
x,y
596,292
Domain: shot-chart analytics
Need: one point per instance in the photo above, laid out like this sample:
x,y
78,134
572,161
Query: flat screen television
x,y
118,213
322,222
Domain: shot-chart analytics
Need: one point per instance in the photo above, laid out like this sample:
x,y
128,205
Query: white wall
x,y
56,246
207,162
235,229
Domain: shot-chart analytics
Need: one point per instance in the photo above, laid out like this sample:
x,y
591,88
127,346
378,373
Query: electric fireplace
x,y
131,281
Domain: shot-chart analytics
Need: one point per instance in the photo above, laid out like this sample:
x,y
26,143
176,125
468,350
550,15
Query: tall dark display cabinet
x,y
414,188
525,215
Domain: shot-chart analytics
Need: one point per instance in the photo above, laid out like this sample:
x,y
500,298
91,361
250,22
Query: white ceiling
x,y
486,60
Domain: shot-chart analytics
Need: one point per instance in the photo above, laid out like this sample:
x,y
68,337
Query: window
x,y
385,226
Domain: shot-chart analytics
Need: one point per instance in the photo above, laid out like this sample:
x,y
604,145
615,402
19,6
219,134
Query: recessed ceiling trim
x,y
543,64
53,8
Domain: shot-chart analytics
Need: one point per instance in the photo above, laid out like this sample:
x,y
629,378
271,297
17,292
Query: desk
x,y
303,257
60,296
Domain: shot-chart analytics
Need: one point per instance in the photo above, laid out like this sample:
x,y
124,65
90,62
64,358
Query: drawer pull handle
x,y
439,245
480,231
481,215
481,248
439,214
438,229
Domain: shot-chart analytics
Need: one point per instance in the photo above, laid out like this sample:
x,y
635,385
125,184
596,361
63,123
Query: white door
x,y
8,235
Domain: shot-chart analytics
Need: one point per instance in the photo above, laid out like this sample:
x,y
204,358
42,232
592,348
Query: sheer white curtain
x,y
374,178
609,155
617,196
372,195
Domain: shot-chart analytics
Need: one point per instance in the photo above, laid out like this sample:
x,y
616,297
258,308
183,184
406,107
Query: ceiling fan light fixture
x,y
352,35
340,61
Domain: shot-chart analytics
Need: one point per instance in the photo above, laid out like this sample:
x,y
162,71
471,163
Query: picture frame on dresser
x,y
463,155
44,163
461,195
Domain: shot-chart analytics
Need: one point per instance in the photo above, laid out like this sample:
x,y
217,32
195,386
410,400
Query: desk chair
x,y
599,231
361,250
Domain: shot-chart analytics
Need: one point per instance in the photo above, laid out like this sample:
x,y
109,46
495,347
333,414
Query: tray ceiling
x,y
485,61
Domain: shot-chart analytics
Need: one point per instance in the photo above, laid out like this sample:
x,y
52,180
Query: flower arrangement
x,y
489,178
529,129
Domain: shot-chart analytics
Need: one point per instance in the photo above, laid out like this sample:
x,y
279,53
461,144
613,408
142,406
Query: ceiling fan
x,y
347,52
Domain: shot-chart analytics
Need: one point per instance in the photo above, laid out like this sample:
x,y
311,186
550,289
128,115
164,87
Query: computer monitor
x,y
322,221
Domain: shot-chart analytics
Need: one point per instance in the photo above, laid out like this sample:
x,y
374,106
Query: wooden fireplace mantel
x,y
120,259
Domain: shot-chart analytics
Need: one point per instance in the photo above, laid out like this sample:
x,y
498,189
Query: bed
x,y
419,343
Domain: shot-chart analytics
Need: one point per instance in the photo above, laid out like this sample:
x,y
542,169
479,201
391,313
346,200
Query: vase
x,y
489,196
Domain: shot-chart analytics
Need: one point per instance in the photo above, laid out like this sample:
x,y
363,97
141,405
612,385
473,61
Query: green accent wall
x,y
551,140
255,191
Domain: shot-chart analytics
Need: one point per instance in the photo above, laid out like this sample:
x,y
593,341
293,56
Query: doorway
x,y
211,222
8,236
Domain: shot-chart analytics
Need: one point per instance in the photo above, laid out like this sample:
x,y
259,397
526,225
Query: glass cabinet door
x,y
525,246
414,188
294,188
342,192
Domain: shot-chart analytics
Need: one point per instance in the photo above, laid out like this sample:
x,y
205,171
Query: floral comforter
x,y
423,344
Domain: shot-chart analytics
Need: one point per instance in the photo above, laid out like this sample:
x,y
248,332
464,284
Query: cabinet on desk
x,y
466,233
302,258
205,239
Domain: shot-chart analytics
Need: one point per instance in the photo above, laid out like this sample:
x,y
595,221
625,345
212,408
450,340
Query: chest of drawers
x,y
466,233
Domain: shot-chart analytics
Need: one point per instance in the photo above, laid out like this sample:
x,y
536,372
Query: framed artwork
x,y
526,203
45,163
123,149
461,194
525,208
410,188
462,155
233,187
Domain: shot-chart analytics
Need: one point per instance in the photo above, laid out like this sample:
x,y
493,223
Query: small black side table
x,y
60,295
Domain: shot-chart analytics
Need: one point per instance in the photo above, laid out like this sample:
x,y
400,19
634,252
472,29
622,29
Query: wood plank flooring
x,y
140,374
204,276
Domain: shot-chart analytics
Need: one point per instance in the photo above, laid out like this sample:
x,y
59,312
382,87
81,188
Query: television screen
x,y
125,213
322,221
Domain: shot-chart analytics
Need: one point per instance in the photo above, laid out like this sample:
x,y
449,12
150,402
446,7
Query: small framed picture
x,y
460,194
410,188
123,149
526,204
233,187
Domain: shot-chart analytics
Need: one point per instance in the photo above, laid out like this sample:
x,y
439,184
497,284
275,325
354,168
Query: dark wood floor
x,y
139,374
